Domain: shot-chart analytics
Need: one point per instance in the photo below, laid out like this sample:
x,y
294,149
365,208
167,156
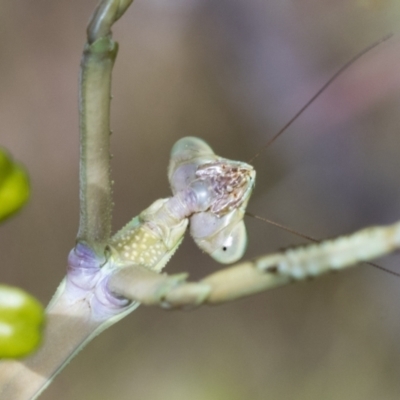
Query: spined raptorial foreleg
x,y
261,274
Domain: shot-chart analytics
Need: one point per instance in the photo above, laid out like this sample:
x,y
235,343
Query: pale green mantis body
x,y
210,191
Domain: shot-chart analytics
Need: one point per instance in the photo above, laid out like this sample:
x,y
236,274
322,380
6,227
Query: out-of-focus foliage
x,y
21,315
21,321
14,186
373,5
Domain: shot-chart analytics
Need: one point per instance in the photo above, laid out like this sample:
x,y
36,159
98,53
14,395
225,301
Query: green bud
x,y
21,322
14,186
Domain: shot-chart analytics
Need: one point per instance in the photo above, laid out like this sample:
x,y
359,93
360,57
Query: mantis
x,y
106,279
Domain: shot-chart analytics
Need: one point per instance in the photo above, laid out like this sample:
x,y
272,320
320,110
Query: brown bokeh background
x,y
232,72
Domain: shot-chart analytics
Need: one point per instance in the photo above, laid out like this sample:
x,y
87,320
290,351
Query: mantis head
x,y
223,188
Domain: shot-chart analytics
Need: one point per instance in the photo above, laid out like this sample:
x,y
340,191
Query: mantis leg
x,y
260,274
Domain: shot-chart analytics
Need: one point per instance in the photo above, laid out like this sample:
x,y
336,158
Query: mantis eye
x,y
189,147
223,238
233,246
186,155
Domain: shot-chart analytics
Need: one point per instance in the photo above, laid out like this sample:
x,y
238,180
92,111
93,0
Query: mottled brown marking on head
x,y
231,181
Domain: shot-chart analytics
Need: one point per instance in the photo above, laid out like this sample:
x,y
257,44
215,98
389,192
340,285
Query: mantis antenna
x,y
311,239
294,118
320,91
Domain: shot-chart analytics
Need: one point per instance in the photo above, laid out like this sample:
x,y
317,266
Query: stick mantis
x,y
117,283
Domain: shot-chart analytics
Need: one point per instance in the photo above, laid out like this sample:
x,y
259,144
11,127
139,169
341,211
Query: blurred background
x,y
232,72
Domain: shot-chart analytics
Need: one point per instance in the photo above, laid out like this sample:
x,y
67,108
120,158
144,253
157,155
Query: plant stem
x,y
71,317
94,109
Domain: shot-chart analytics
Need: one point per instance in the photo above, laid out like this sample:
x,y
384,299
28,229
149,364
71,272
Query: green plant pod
x,y
14,186
21,322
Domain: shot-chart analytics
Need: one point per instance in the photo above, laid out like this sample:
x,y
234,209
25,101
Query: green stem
x,y
105,15
70,320
94,110
94,106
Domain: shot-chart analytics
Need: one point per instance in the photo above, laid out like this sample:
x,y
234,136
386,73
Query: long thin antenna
x,y
310,238
316,95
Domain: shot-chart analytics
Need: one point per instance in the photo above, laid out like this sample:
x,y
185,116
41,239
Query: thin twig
x,y
70,319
